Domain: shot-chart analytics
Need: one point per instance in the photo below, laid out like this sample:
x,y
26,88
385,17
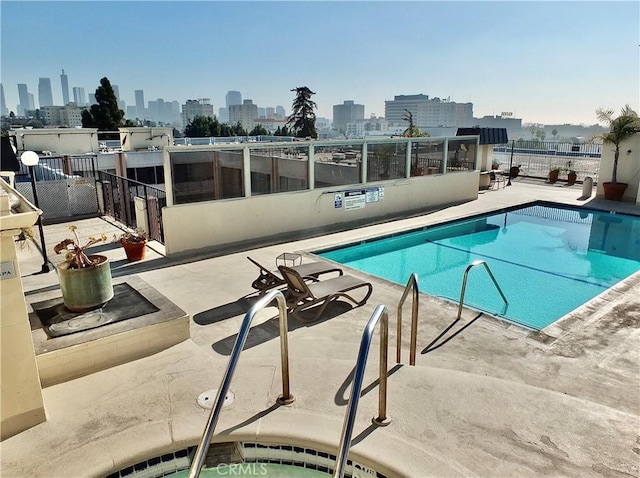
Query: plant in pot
x,y
621,128
85,280
495,164
134,244
571,174
554,172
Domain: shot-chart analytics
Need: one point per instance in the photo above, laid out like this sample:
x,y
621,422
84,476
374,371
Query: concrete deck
x,y
495,400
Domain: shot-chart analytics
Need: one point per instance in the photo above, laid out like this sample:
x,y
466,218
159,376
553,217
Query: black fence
x,y
119,195
51,168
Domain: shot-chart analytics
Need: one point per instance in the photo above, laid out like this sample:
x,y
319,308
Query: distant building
x,y
281,112
45,94
193,108
223,115
79,97
246,113
69,116
428,112
512,125
141,110
270,124
92,99
368,127
347,112
233,98
64,83
4,111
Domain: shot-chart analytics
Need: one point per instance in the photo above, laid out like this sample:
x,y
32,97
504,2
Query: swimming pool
x,y
548,260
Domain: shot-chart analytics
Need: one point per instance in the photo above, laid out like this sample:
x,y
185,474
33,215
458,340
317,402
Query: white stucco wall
x,y
57,140
628,168
189,227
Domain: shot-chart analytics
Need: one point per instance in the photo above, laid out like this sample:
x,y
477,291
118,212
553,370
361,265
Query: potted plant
x,y
621,128
495,164
554,172
85,280
134,244
571,177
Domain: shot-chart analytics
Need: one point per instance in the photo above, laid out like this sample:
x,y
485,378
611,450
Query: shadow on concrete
x,y
434,343
248,421
341,399
225,311
268,330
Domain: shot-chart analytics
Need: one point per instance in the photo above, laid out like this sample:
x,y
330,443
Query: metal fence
x,y
536,158
65,186
119,195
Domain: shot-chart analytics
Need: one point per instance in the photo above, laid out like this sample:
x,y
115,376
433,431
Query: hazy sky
x,y
548,62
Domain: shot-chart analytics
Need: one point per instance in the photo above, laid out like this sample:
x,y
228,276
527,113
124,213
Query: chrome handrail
x,y
285,398
464,284
352,407
412,284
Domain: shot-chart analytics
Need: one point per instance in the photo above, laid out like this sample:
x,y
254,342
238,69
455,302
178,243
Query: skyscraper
x,y
64,81
280,111
347,112
4,111
233,98
140,113
23,95
78,96
45,94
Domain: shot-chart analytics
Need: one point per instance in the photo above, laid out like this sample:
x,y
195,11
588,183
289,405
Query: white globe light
x,y
29,158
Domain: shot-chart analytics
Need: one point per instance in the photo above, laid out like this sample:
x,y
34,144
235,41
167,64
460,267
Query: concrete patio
x,y
488,399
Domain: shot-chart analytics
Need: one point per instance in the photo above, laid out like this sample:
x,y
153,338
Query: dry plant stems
x,y
75,254
132,237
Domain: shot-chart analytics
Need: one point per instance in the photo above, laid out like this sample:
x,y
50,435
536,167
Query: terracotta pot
x,y
135,250
553,176
614,192
571,179
87,288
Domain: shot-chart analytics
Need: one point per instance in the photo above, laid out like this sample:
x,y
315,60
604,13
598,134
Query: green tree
x,y
199,127
303,118
554,132
258,130
105,115
238,130
621,128
284,131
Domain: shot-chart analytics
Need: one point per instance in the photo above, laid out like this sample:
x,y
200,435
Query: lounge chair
x,y
302,295
269,279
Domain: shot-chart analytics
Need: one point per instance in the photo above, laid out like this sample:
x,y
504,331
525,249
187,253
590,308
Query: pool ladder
x,y
464,285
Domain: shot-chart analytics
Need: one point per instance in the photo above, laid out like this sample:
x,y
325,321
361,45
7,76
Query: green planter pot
x,y
87,288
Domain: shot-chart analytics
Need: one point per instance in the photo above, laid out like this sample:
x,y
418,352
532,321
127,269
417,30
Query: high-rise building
x,y
140,107
427,112
223,115
64,82
45,94
280,111
347,112
4,111
193,108
269,112
23,95
79,97
116,91
233,98
246,113
262,112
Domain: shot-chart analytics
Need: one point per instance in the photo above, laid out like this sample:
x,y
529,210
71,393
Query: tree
x,y
199,127
258,130
284,131
105,115
554,132
621,128
303,119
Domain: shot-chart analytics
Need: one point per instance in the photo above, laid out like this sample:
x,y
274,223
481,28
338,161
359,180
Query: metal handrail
x,y
352,407
412,284
464,284
285,398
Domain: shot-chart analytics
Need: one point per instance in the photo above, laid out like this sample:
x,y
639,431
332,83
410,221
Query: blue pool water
x,y
547,260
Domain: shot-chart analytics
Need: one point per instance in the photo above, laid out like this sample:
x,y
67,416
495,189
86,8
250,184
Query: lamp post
x,y
30,159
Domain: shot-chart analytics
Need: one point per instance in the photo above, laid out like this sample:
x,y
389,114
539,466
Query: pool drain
x,y
206,399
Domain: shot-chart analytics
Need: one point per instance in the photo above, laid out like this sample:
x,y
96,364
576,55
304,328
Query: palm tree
x,y
621,128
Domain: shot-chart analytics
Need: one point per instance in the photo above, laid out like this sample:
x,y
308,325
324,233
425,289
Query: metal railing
x,y
352,407
464,284
285,398
412,285
119,202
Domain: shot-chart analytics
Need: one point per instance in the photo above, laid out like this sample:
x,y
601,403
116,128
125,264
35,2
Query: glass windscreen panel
x,y
275,170
461,155
386,161
206,175
337,165
426,157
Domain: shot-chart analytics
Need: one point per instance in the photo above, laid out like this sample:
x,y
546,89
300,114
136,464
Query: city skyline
x,y
546,62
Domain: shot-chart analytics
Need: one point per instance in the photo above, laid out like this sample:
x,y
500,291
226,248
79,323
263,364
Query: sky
x,y
547,62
